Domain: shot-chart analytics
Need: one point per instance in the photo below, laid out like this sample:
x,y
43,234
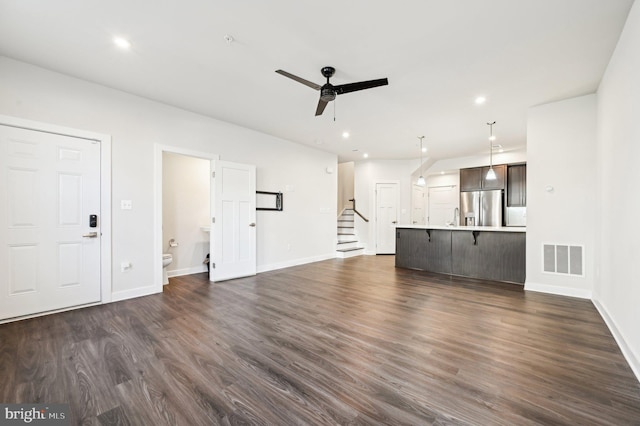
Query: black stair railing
x,y
353,200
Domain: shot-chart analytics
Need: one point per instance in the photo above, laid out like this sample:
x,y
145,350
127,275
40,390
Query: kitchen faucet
x,y
456,216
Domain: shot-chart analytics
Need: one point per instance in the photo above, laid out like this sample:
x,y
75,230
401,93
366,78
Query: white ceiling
x,y
437,55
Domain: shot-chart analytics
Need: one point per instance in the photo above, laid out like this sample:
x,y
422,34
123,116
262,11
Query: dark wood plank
x,y
344,341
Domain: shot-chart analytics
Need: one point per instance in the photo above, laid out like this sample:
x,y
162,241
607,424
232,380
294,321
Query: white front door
x,y
443,201
233,236
386,217
49,253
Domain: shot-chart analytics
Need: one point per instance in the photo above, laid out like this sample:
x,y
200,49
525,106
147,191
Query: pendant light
x,y
491,174
421,181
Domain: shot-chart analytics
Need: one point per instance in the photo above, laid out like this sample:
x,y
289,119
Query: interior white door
x,y
418,205
442,202
233,236
49,253
386,217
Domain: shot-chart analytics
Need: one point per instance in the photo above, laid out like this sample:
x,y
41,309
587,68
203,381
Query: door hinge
x,y
213,220
213,174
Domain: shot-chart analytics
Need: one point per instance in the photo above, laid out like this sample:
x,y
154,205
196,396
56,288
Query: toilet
x,y
167,258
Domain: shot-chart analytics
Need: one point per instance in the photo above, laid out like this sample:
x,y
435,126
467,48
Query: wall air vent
x,y
563,259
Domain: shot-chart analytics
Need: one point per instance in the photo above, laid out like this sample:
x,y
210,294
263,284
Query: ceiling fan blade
x,y
352,87
321,106
299,79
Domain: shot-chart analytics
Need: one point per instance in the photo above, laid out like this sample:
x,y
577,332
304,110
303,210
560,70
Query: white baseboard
x,y
632,359
187,271
295,262
558,290
133,293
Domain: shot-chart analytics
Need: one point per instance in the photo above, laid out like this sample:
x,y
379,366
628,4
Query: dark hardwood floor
x,y
345,341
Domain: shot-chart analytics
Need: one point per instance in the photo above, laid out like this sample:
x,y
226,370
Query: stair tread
x,y
347,242
345,227
346,233
350,249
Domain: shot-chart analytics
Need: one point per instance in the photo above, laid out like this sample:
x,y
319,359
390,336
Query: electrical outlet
x,y
125,205
125,266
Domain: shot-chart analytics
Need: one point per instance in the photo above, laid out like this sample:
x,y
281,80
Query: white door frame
x,y
158,149
375,207
105,192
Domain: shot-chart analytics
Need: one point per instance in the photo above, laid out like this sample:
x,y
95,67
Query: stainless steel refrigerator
x,y
481,208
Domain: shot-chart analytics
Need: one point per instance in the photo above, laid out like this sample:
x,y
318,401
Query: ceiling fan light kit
x,y
328,91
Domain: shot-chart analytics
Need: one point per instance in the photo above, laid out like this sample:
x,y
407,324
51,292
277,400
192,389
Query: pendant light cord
x,y
491,144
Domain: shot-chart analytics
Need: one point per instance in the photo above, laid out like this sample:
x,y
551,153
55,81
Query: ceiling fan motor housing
x,y
327,93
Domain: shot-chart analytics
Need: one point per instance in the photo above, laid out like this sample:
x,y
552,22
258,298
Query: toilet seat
x,y
167,258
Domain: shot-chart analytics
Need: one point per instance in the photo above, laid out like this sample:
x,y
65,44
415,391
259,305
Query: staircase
x,y
348,245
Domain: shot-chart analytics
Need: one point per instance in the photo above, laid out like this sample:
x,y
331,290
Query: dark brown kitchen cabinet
x,y
489,255
517,185
424,249
475,179
471,179
498,182
498,256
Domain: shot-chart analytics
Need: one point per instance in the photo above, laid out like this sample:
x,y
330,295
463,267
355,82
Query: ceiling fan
x,y
328,91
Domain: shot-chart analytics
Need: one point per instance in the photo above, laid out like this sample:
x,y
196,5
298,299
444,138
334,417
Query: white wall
x,y
366,173
450,164
561,152
345,185
617,291
451,179
136,124
185,209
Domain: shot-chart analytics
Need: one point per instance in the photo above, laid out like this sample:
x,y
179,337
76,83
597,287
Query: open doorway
x,y
174,196
185,214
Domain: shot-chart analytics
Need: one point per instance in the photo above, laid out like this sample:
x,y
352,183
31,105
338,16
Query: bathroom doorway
x,y
185,213
182,211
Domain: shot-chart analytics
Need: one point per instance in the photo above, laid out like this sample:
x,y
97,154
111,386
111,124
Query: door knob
x,y
252,224
394,222
91,235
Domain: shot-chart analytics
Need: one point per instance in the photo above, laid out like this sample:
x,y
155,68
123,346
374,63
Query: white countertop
x,y
467,228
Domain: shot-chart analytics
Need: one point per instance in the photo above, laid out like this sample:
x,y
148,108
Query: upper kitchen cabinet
x,y
517,185
474,179
498,182
471,179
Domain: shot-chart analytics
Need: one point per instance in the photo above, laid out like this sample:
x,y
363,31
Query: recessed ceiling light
x,y
480,100
442,172
424,149
492,137
365,155
345,134
122,43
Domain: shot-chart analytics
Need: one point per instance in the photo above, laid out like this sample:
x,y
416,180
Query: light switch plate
x,y
125,205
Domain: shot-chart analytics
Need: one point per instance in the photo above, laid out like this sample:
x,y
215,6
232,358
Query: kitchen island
x,y
491,253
